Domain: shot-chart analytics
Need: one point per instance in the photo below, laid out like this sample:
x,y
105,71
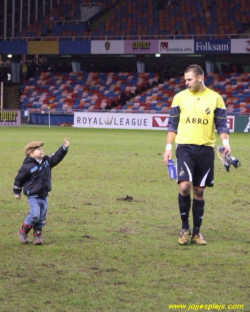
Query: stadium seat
x,y
143,18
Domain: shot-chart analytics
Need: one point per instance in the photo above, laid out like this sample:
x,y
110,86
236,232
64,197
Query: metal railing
x,y
128,37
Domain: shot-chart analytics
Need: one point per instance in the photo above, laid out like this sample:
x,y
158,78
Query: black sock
x,y
198,212
184,206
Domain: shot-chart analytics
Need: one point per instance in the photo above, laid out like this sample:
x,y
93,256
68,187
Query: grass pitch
x,y
110,243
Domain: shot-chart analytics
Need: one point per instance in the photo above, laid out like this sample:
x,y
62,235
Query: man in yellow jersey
x,y
195,114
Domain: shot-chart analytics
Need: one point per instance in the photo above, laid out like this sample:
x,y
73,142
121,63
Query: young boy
x,y
34,178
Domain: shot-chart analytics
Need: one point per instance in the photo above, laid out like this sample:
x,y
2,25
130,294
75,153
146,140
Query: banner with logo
x,y
207,46
120,121
10,118
107,47
141,46
131,121
240,46
176,46
242,124
231,123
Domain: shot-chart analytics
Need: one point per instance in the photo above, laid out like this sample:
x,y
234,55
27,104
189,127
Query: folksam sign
x,y
212,46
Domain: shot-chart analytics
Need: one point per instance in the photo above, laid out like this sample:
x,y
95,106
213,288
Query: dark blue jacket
x,y
35,178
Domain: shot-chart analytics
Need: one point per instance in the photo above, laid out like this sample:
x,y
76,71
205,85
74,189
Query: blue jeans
x,y
38,212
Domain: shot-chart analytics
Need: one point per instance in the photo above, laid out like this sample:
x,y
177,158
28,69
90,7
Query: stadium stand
x,y
68,92
133,19
143,18
183,18
64,20
234,89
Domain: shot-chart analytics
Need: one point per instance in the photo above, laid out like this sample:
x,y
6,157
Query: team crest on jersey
x,y
207,110
181,172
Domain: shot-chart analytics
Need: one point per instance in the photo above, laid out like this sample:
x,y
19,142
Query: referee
x,y
195,114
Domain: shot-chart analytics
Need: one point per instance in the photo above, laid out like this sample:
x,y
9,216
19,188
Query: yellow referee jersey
x,y
194,117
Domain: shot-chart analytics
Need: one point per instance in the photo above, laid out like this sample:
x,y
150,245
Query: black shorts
x,y
195,164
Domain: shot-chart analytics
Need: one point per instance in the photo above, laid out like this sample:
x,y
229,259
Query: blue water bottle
x,y
171,169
